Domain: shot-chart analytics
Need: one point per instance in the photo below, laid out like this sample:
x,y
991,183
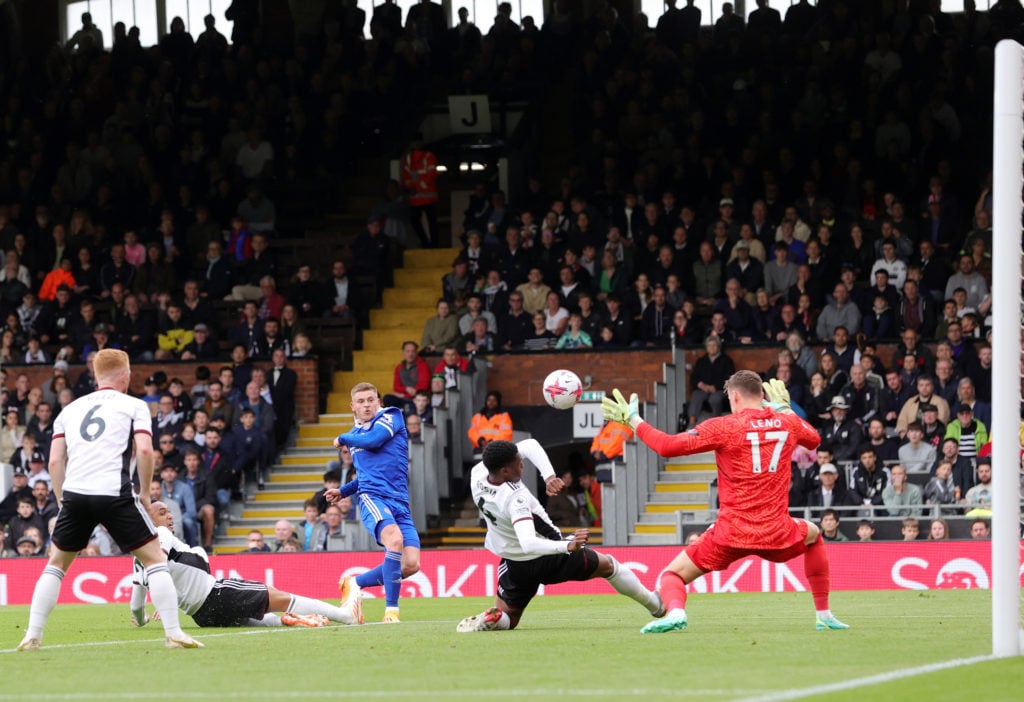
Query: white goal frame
x,y
1007,211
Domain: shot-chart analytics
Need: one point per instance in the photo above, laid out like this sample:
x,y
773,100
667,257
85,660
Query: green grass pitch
x,y
738,647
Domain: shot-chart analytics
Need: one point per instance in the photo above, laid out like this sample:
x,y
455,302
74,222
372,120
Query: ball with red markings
x,y
562,389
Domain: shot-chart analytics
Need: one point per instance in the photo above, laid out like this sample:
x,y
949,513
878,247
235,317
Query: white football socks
x,y
165,598
308,605
44,598
625,582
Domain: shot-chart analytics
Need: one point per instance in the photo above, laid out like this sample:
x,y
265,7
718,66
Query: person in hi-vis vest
x,y
419,178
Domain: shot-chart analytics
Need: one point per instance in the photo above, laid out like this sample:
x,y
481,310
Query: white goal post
x,y
1007,210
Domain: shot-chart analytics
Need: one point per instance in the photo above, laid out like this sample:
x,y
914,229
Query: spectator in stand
x,y
946,381
534,292
972,282
869,479
540,337
707,277
215,275
172,334
886,448
283,382
345,299
842,434
250,273
911,411
475,304
201,348
941,490
780,274
440,330
451,366
962,473
829,492
840,312
934,430
830,526
861,396
980,371
490,423
248,333
371,253
879,322
916,456
411,375
457,280
915,311
305,293
980,496
574,337
708,381
965,396
968,431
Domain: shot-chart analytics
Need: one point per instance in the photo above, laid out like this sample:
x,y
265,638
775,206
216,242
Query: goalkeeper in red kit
x,y
753,447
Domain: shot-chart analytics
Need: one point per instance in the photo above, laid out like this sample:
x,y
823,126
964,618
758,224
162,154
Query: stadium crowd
x,y
817,181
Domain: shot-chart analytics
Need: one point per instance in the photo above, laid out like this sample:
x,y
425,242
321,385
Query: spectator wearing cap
x,y
841,433
202,347
745,268
37,471
19,489
934,430
969,432
100,340
925,395
830,492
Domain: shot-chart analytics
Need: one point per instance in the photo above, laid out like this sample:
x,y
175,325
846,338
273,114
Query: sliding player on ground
x,y
514,517
753,447
228,601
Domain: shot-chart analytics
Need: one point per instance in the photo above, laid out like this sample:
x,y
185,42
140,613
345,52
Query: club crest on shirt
x,y
693,432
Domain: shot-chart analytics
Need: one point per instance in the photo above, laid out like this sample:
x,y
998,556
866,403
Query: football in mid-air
x,y
562,389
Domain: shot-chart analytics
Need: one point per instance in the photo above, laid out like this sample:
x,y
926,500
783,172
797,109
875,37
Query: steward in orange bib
x,y
607,445
490,423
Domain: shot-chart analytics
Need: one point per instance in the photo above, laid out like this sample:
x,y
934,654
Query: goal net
x,y
1007,213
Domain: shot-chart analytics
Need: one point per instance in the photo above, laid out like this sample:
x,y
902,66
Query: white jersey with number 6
x,y
99,431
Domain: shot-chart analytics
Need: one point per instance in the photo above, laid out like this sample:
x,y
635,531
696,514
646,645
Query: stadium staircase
x,y
299,471
683,486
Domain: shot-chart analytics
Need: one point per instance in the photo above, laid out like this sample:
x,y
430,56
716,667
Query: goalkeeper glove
x,y
619,410
776,394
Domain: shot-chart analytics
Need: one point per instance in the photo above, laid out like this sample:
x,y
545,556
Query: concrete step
x,y
686,498
388,341
408,318
655,528
661,486
429,258
323,431
702,477
411,297
688,468
307,459
292,480
270,512
707,458
296,496
421,277
637,539
467,522
375,362
675,506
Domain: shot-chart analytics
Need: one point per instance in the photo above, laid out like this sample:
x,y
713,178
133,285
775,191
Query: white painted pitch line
x,y
854,683
348,694
257,631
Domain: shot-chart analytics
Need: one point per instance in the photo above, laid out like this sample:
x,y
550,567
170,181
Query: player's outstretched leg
x,y
626,583
673,594
352,597
817,570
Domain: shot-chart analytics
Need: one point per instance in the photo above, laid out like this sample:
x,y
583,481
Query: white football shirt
x,y
99,431
193,584
502,506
